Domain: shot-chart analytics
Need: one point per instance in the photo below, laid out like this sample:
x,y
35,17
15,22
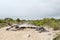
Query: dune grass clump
x,y
57,38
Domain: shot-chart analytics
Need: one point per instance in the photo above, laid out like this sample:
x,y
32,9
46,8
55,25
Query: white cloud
x,y
30,9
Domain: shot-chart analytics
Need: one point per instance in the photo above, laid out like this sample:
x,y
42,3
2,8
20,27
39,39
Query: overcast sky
x,y
29,9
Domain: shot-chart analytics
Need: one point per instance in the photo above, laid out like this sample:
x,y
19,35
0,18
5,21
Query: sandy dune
x,y
27,34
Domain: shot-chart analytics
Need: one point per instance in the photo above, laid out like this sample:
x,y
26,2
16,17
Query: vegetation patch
x,y
51,22
57,38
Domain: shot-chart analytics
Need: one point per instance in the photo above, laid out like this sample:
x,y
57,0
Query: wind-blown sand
x,y
26,34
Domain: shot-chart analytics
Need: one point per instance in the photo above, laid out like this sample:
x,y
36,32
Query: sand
x,y
26,34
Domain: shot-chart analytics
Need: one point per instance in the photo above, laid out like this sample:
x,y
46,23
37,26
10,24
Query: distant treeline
x,y
50,22
3,22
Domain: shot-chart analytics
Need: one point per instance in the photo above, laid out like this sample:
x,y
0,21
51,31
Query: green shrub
x,y
57,38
